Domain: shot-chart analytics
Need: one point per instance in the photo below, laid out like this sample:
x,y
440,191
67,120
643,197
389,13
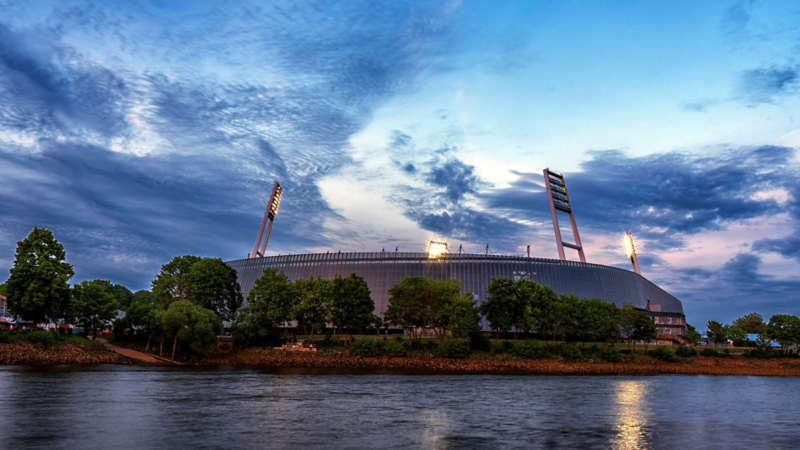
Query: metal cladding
x,y
559,201
381,270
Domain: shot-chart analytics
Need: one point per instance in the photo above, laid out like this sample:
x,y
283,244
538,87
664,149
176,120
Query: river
x,y
140,407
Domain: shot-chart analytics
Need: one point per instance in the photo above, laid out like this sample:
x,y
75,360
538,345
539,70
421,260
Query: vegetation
x,y
717,332
92,307
750,323
692,336
783,329
37,288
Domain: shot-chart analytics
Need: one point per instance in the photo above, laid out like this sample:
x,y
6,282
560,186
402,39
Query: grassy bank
x,y
48,348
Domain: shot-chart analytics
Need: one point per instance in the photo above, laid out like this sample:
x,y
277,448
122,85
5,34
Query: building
x,y
381,270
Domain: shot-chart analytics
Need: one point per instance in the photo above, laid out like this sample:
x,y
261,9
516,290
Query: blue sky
x,y
137,131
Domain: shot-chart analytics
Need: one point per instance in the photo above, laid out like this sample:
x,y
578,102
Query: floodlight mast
x,y
631,251
559,200
269,216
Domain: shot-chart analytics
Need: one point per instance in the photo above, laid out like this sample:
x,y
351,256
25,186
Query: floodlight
x,y
436,249
630,251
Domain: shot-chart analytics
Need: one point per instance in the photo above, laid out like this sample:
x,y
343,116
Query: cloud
x,y
167,140
765,85
457,179
660,196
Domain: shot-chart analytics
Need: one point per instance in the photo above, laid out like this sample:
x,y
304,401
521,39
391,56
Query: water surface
x,y
137,407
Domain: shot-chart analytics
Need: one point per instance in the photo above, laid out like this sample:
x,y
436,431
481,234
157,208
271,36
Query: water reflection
x,y
632,415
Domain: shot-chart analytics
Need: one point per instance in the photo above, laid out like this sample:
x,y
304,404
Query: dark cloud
x,y
171,144
660,196
457,179
735,289
765,85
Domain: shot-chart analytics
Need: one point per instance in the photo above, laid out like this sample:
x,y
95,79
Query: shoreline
x,y
61,354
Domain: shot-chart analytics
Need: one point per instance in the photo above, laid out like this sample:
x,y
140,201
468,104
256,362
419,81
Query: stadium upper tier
x,y
381,270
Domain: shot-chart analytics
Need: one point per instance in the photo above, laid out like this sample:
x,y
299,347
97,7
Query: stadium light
x,y
269,216
436,249
559,200
630,251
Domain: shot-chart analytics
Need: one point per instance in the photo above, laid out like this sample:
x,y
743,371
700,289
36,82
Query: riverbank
x,y
500,364
18,353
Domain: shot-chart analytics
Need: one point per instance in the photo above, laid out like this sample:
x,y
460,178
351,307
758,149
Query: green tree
x,y
783,329
37,289
627,322
716,332
566,317
596,321
214,286
137,316
311,304
692,336
171,284
525,313
92,306
3,290
351,305
407,307
644,329
439,297
465,316
269,305
501,306
751,323
120,293
544,305
738,336
145,297
191,324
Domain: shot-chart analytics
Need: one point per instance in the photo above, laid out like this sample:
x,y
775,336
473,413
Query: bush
x,y
726,352
762,353
39,337
478,342
610,354
663,353
685,352
5,337
426,345
365,347
570,351
709,352
452,349
591,351
529,349
394,348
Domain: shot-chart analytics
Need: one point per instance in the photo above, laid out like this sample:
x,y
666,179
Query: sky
x,y
138,131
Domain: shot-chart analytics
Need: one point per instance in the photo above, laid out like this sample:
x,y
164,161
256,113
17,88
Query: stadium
x,y
383,269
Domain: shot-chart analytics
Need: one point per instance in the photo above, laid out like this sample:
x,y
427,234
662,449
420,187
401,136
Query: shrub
x,y
663,353
762,353
726,352
479,342
591,351
685,352
40,337
365,347
529,350
452,349
610,354
427,345
5,337
570,351
394,348
709,352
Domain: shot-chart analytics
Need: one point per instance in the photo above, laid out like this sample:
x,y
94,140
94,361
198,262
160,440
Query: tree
x,y
751,323
191,324
692,336
544,305
171,284
37,289
566,317
465,316
311,304
499,309
525,313
407,306
269,305
92,306
644,329
716,332
592,322
214,286
439,297
137,316
120,293
783,329
738,336
145,297
351,305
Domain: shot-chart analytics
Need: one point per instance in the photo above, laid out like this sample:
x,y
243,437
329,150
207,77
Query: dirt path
x,y
133,354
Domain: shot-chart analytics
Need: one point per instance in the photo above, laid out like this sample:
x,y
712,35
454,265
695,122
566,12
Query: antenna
x,y
459,248
529,251
559,200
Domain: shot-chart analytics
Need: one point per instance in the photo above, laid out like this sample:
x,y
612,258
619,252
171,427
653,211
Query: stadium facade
x,y
381,270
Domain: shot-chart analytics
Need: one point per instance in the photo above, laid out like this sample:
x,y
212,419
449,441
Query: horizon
x,y
137,132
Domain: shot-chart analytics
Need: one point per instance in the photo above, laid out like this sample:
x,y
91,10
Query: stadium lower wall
x,y
382,270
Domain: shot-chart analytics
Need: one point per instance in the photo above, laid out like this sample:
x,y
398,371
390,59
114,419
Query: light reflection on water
x,y
155,407
631,415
